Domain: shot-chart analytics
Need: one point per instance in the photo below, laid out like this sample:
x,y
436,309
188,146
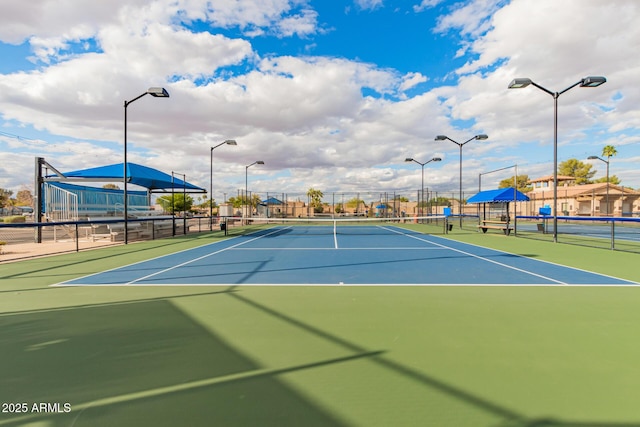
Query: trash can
x,y
540,227
223,226
450,226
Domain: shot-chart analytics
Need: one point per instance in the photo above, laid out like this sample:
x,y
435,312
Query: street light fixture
x,y
156,92
227,142
590,81
246,181
479,137
607,162
434,159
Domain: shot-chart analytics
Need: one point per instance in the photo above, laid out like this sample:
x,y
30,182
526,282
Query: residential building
x,y
601,199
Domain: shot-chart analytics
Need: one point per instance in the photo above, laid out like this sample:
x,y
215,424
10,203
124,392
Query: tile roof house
x,y
599,199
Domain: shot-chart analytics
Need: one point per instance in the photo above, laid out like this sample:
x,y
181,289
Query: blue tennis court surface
x,y
317,255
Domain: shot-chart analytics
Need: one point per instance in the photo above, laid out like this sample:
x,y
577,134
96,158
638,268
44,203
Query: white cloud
x,y
469,18
301,24
52,23
426,4
369,4
59,20
282,18
411,80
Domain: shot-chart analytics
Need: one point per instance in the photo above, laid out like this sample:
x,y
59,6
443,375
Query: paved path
x,y
19,251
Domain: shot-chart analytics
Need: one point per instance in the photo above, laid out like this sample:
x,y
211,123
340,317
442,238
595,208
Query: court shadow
x,y
77,306
510,417
142,364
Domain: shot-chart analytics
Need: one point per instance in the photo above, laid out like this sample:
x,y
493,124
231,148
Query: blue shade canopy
x,y
143,176
500,195
272,201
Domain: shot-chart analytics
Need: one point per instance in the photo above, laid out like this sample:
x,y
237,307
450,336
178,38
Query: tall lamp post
x,y
246,181
434,159
607,162
156,92
444,138
591,81
227,142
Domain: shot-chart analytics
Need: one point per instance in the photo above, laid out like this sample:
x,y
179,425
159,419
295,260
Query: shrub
x,y
14,219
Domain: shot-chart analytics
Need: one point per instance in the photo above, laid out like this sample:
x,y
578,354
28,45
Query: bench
x,y
164,228
100,231
496,225
134,231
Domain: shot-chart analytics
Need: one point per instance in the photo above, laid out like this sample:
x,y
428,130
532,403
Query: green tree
x,y
315,197
180,203
206,202
579,170
440,201
242,200
236,202
5,195
24,198
522,182
612,179
353,203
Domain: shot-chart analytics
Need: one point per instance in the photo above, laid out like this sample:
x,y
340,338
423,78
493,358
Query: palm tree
x,y
315,197
608,151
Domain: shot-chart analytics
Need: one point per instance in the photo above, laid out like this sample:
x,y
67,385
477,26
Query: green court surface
x,y
508,356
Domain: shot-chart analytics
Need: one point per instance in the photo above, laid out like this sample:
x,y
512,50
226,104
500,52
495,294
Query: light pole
x,y
246,181
607,162
410,159
156,92
227,142
591,81
444,138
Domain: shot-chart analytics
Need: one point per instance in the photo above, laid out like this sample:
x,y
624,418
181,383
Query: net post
x,y
613,233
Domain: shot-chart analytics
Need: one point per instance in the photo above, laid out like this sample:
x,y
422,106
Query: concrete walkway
x,y
21,251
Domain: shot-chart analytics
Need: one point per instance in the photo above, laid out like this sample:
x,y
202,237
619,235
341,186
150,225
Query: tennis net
x,y
337,225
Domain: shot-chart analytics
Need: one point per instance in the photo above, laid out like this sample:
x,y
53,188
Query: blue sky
x,y
329,94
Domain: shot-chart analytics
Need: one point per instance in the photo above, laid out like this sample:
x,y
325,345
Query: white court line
x,y
481,258
390,248
203,257
143,261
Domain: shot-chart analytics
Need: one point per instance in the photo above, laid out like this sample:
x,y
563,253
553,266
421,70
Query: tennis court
x,y
121,338
335,254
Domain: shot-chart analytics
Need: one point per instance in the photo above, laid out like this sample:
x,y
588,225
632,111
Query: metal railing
x,y
17,240
615,233
60,204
